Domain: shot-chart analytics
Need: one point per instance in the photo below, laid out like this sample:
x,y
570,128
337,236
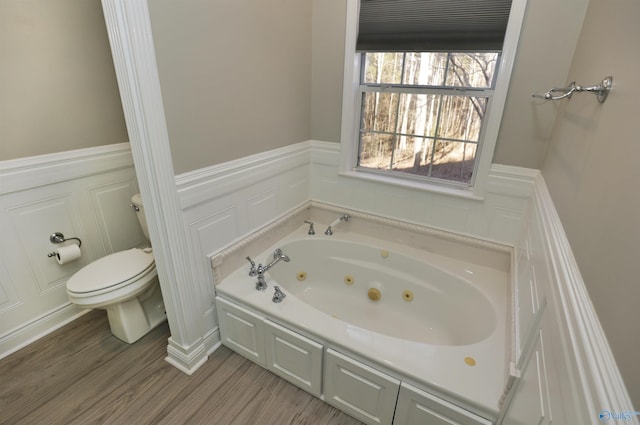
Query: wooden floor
x,y
82,374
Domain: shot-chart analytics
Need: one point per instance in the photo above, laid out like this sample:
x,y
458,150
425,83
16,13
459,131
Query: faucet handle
x,y
278,295
253,271
311,230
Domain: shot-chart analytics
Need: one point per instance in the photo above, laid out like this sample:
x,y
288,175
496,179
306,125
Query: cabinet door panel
x,y
241,330
294,357
416,407
359,390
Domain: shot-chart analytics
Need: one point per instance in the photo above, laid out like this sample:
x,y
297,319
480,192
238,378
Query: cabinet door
x,y
241,330
359,390
416,407
294,357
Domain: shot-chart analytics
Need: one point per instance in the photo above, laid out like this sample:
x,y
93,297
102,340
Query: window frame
x,y
436,90
351,102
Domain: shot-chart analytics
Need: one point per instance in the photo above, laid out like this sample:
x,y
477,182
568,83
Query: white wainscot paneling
x,y
531,404
566,373
497,216
32,223
117,221
260,207
8,295
225,202
84,194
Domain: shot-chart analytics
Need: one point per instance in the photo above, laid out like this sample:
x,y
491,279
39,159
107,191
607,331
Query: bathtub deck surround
x,y
386,319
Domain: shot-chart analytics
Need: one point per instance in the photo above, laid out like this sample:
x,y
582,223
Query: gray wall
x,y
593,169
547,43
58,87
235,76
329,24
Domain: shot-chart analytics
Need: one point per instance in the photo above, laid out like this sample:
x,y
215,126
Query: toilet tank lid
x,y
110,270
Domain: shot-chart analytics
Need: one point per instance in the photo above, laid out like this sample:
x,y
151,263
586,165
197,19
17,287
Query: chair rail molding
x,y
130,36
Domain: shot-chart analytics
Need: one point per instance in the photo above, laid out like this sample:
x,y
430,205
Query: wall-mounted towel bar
x,y
601,91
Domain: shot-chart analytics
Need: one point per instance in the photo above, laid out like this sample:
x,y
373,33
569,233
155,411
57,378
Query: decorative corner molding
x,y
131,39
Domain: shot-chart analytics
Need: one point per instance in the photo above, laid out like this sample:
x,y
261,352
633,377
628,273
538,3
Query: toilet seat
x,y
111,272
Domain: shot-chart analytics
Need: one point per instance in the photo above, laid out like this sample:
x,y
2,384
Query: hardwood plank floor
x,y
82,374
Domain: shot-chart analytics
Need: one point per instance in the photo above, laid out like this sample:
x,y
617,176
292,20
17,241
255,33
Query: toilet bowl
x,y
125,284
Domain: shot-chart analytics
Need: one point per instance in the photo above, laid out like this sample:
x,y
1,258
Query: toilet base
x,y
131,320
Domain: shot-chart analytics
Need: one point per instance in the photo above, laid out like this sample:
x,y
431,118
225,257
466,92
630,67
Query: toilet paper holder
x,y
58,237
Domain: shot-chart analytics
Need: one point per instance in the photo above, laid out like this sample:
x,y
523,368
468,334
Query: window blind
x,y
432,25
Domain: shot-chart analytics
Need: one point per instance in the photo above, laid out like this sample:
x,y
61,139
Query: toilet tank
x,y
136,200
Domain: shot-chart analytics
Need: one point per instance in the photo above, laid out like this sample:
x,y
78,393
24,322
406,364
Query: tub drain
x,y
301,276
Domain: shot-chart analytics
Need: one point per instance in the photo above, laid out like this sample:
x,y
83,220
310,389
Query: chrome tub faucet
x,y
278,255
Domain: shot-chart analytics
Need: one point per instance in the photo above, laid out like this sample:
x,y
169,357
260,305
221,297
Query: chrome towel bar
x,y
601,91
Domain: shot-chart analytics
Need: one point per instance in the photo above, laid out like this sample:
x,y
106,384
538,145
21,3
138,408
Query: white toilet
x,y
125,284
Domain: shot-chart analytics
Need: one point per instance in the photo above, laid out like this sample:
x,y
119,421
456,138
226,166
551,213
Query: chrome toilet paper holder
x,y
58,237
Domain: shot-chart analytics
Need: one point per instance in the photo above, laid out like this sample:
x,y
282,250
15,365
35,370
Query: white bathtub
x,y
440,322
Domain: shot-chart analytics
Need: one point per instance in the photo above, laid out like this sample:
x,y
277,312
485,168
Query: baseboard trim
x,y
212,340
186,359
38,328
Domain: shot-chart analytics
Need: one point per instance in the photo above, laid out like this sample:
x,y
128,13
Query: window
x,y
425,86
421,113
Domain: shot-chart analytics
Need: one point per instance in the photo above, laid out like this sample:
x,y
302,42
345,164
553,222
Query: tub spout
x,y
278,255
329,231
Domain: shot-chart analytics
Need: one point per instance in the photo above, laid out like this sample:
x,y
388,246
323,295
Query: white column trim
x,y
129,29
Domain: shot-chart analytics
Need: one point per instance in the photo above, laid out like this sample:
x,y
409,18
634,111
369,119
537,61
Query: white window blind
x,y
432,25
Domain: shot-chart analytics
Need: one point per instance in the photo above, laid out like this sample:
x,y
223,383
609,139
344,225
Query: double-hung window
x,y
427,75
421,113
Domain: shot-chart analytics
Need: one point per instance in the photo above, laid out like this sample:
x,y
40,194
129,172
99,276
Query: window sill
x,y
423,186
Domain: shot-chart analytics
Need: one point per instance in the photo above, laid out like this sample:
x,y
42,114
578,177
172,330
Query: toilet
x,y
125,284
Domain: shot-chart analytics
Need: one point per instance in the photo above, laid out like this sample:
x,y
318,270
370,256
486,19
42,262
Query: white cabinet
x,y
357,389
294,357
363,392
416,407
241,330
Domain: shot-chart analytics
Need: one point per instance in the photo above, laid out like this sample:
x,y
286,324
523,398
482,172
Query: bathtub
x,y
430,310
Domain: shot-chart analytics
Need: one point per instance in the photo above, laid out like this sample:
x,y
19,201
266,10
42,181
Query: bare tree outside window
x,y
422,112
